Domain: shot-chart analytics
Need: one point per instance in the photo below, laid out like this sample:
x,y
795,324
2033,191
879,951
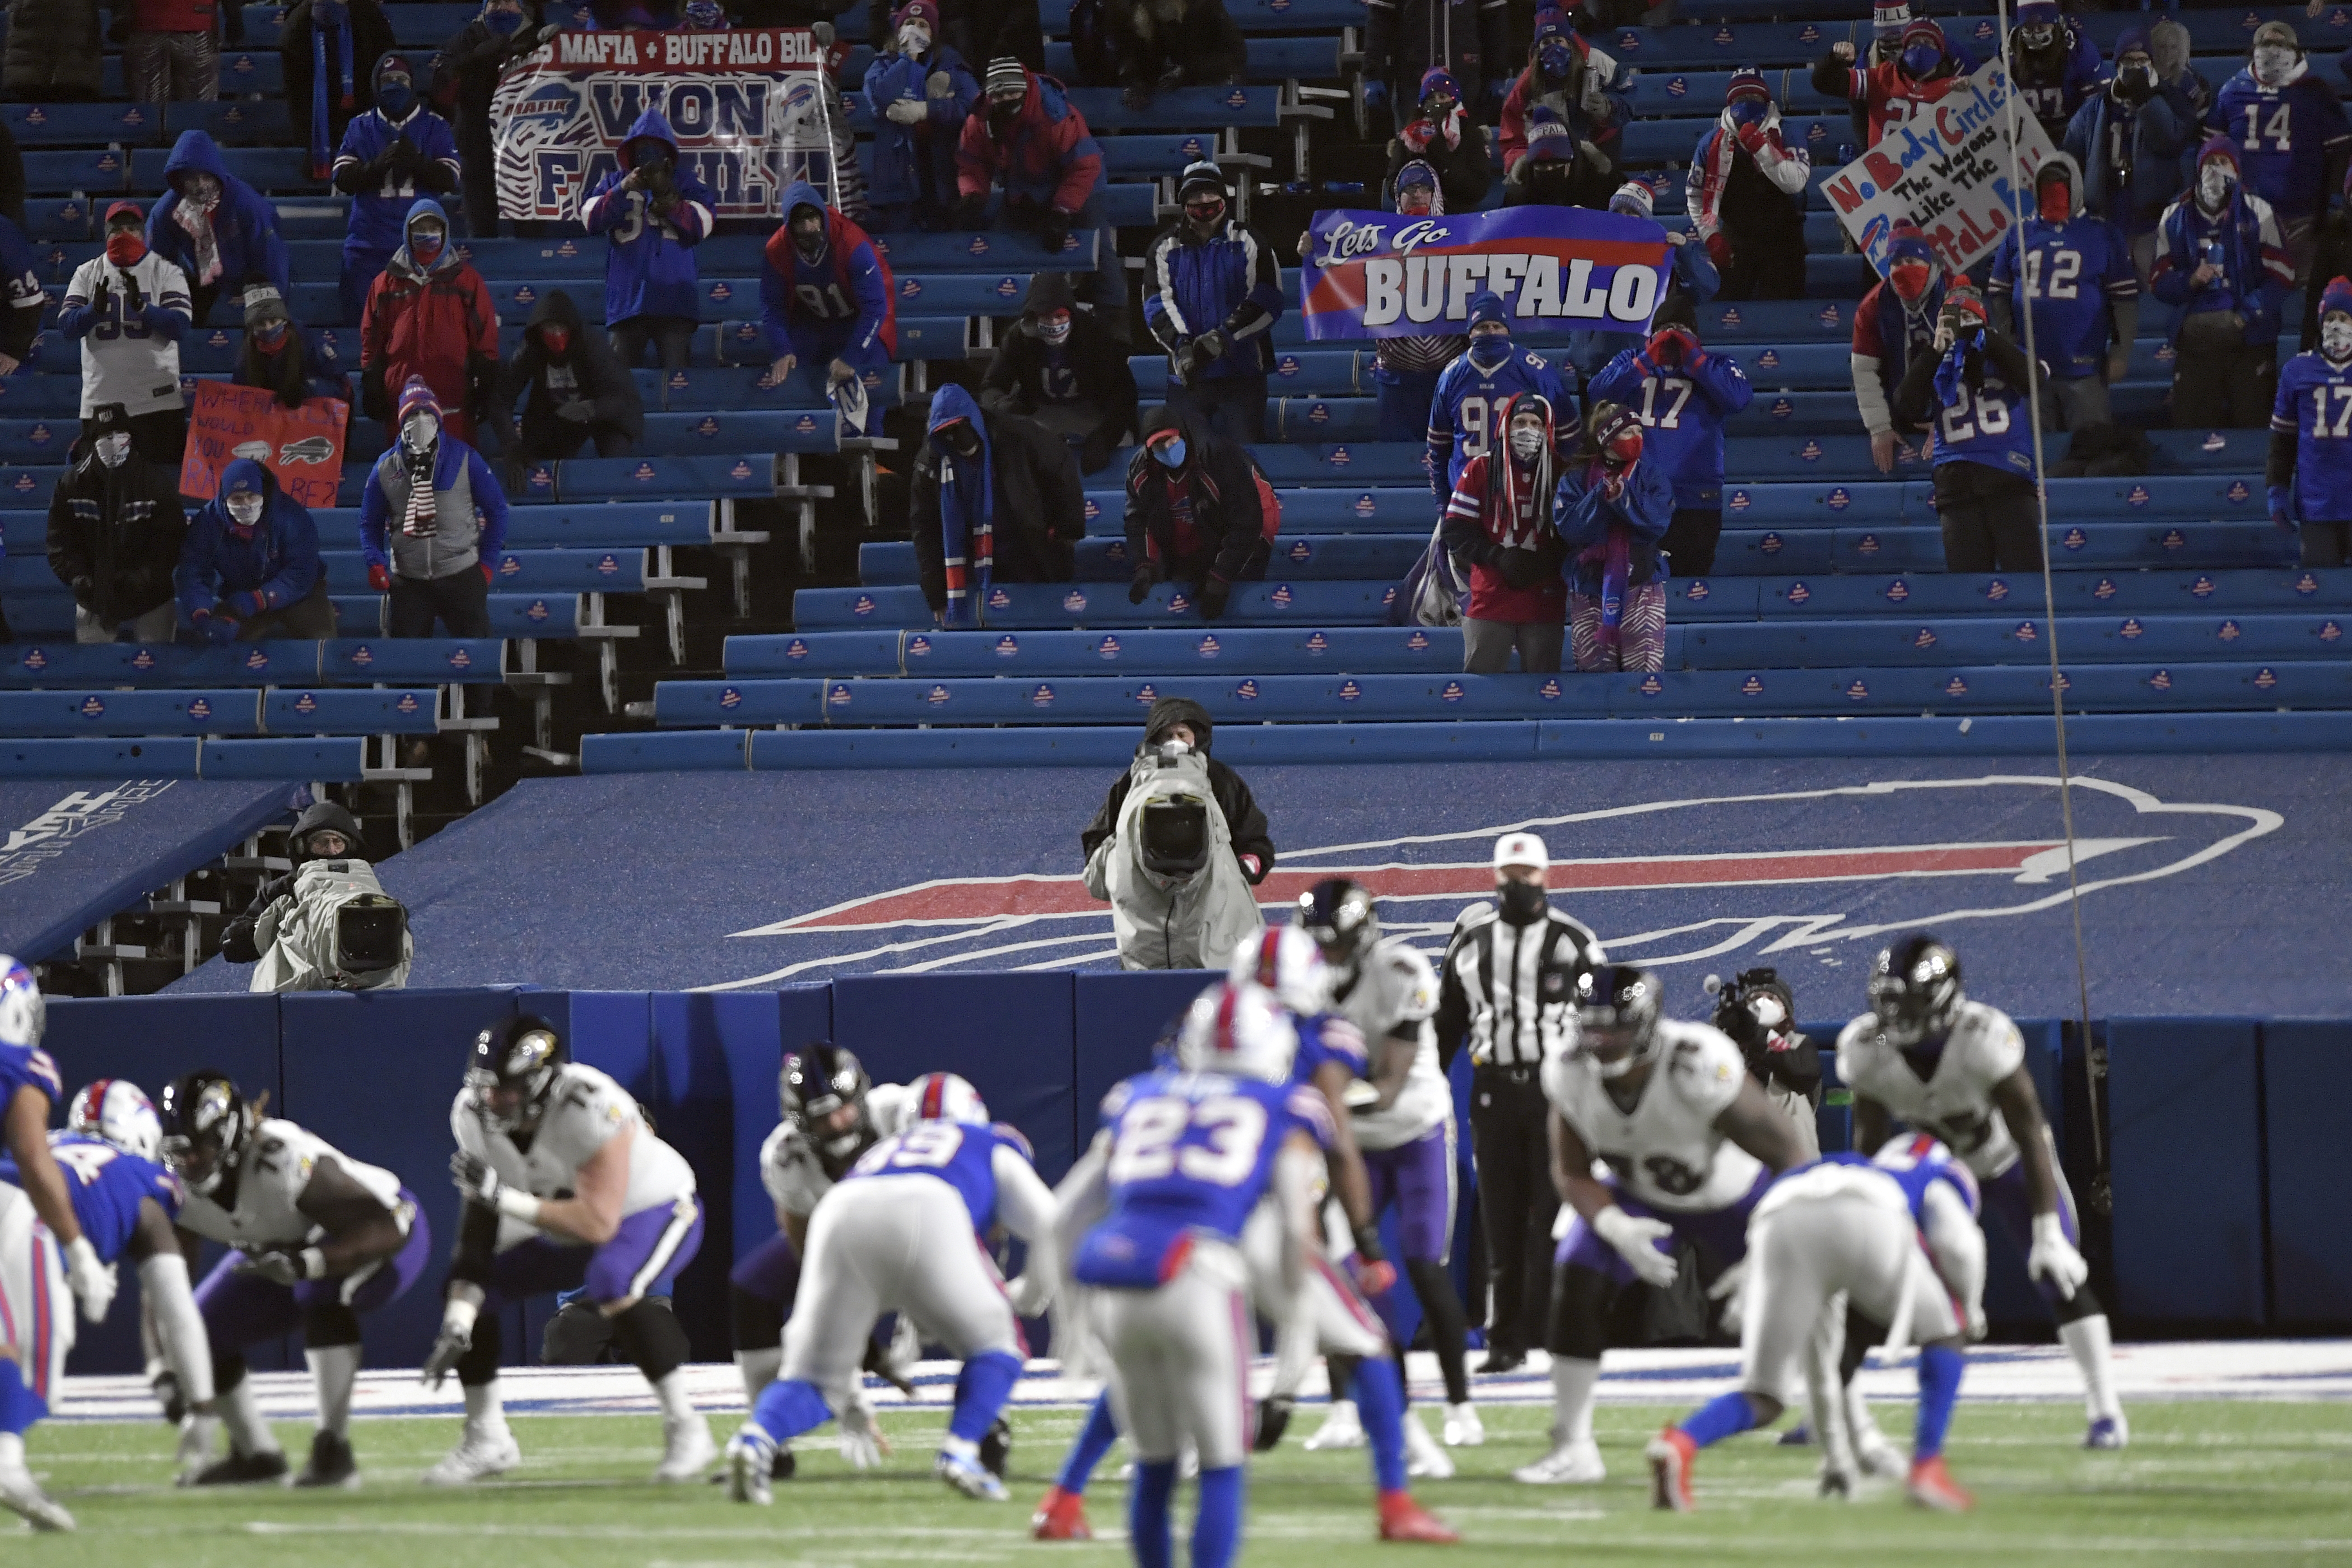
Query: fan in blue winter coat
x,y
919,93
1212,294
214,228
249,568
390,155
653,211
1681,393
1614,509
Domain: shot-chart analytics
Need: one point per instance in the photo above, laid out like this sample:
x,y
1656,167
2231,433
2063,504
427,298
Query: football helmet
x,y
1617,1008
513,1070
1288,963
944,1096
116,1110
206,1124
1915,990
1239,1029
1337,912
23,1014
815,1085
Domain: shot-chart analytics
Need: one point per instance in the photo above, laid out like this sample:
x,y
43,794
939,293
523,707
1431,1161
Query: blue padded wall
x,y
2310,1243
1119,1018
2186,1117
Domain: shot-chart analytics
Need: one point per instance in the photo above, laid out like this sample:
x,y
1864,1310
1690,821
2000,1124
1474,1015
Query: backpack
x,y
1436,591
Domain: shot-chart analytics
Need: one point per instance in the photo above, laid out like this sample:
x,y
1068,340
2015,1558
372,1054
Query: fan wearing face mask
x,y
1758,1013
652,210
429,317
1894,323
1500,523
573,393
1614,508
20,319
1404,40
1199,513
1682,392
1691,281
115,531
827,299
2290,137
994,498
1745,193
1212,296
390,155
1925,68
1062,370
2222,265
419,532
1027,164
1405,369
466,72
1462,418
128,308
1163,45
1969,388
2054,63
214,228
250,567
1586,91
2309,473
1558,171
919,92
2128,140
2076,272
327,52
282,359
1443,136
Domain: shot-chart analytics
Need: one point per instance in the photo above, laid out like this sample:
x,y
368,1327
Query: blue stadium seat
x,y
233,122
1049,605
932,654
29,666
1270,59
512,614
545,570
80,124
595,526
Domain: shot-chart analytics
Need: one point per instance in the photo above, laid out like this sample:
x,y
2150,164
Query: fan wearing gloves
x,y
2128,139
825,295
1060,368
1213,293
994,498
1493,369
653,213
328,51
2084,333
1614,509
1924,70
251,568
1894,324
1499,521
1198,512
1442,137
2055,64
2222,265
429,317
219,231
1685,392
1028,142
1970,389
417,525
116,527
390,155
573,393
1746,195
1163,45
2309,473
128,286
1404,39
919,92
1586,91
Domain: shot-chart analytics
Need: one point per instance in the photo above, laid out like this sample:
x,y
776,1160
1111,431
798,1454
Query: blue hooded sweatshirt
x,y
917,162
967,511
650,269
279,561
245,225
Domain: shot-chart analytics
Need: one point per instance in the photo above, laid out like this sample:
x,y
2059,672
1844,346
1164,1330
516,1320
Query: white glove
x,y
905,111
1731,1290
863,1446
2053,1257
91,1282
1636,1242
1029,1295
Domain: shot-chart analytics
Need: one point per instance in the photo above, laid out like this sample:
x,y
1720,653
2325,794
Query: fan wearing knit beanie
x,y
1027,163
417,527
1925,68
1969,388
1746,195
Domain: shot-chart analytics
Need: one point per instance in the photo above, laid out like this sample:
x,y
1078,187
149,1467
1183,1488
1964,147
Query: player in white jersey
x,y
1403,1116
1691,1143
565,1187
317,1239
1926,1056
129,319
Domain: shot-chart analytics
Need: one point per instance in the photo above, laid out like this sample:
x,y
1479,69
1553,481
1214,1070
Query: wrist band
x,y
314,1263
515,1204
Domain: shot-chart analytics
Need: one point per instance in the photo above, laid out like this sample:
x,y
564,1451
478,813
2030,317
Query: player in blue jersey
x,y
2290,134
901,1232
827,299
2083,294
1898,1236
1971,389
1462,415
2310,468
389,156
1683,394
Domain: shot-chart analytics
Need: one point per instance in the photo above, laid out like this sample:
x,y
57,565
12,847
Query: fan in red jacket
x,y
1890,94
1500,522
430,316
1028,138
1575,81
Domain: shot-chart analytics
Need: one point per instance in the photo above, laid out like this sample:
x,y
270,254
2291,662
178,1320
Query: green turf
x,y
2201,1483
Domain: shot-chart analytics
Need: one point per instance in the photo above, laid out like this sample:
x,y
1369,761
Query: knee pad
x,y
228,1371
2082,1304
328,1324
648,1334
1581,1300
758,1323
479,1364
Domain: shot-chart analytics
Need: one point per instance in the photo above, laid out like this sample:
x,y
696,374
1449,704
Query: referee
x,y
1510,971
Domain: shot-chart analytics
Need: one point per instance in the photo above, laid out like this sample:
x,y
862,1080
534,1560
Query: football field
x,y
2210,1477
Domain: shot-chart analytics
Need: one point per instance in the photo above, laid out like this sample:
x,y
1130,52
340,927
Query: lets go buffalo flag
x,y
1383,275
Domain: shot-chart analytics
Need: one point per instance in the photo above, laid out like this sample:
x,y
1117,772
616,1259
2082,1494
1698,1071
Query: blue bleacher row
x,y
339,759
262,710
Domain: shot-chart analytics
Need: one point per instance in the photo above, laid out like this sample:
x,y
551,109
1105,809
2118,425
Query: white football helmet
x,y
118,1112
23,1014
1286,962
944,1096
1237,1029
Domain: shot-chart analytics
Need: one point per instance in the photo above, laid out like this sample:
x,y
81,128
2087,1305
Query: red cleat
x,y
1931,1486
1672,1454
1401,1518
1060,1516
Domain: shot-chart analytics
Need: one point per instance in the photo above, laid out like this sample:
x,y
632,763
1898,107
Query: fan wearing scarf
x,y
115,531
1461,420
1746,195
1924,70
433,525
2086,313
1970,387
2290,134
282,359
429,317
1499,522
1894,323
994,498
128,308
328,51
1614,507
1584,88
214,228
251,568
1683,393
2309,473
390,155
2221,265
1443,138
827,299
1198,512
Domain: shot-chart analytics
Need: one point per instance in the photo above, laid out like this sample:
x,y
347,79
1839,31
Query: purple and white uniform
x,y
1408,1145
795,1179
661,1217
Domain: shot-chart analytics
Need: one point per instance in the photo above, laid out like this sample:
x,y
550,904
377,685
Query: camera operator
x,y
327,924
1760,1013
1176,848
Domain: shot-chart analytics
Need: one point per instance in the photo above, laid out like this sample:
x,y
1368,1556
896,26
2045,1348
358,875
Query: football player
x,y
900,1232
316,1238
1926,1056
1898,1237
1691,1143
532,1123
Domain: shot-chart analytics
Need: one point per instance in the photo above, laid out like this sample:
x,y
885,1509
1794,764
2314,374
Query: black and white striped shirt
x,y
1508,989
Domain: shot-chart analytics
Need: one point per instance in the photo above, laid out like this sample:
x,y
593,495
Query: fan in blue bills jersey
x,y
2289,130
2309,471
2075,270
1462,415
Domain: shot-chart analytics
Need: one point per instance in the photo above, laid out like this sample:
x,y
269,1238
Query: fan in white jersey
x,y
566,1188
129,308
317,1239
1926,1056
1690,1141
1403,1116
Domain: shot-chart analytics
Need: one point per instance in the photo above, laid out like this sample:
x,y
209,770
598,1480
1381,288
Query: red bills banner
x,y
303,446
1383,275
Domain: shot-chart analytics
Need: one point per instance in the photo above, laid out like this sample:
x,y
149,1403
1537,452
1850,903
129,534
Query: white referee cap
x,y
1521,849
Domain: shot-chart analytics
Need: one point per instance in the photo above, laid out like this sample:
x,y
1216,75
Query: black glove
x,y
1140,588
1137,98
1368,1243
972,212
1272,1420
133,299
100,295
84,590
1214,592
1056,231
168,1396
1520,568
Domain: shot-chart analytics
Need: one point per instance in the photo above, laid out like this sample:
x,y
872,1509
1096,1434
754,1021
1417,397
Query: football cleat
x,y
1801,1436
22,1496
1272,1421
996,1448
1931,1486
1401,1518
1877,1456
2108,1433
478,1455
1838,1484
1423,1456
1570,1464
969,1476
1672,1454
751,1460
1501,1360
1061,1516
243,1470
331,1463
687,1450
1463,1427
1341,1428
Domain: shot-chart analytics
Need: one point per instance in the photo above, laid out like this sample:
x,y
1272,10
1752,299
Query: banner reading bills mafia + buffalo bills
x,y
1383,275
748,107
